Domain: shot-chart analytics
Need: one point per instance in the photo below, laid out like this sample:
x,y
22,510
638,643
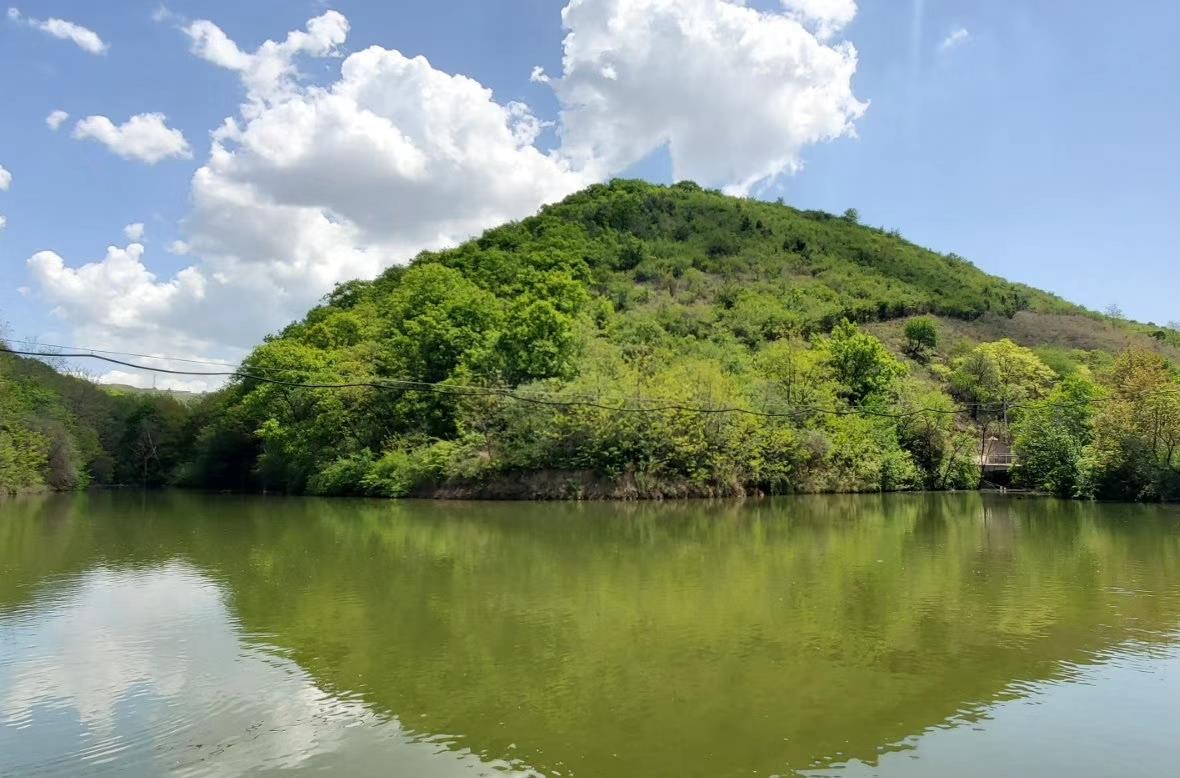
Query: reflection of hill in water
x,y
652,640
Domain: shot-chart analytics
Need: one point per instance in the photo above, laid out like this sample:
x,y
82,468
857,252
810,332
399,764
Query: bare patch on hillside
x,y
1069,331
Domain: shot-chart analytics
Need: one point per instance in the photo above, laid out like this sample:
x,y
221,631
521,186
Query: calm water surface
x,y
905,636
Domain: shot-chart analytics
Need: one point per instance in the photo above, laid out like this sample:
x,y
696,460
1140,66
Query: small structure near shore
x,y
997,456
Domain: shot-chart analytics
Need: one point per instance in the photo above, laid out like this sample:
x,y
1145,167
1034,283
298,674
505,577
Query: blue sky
x,y
1035,138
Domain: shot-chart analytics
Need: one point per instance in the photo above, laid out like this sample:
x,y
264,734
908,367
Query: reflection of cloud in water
x,y
146,672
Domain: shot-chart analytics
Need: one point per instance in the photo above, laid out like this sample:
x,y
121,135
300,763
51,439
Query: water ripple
x,y
144,671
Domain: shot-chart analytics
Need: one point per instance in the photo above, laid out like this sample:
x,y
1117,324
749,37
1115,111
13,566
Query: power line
x,y
514,394
37,343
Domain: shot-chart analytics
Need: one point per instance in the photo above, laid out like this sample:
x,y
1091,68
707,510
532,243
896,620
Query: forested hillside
x,y
644,341
61,432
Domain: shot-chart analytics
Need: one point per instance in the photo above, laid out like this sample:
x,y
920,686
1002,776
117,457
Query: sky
x,y
181,179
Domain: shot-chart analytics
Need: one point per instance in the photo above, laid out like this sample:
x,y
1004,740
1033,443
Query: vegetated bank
x,y
635,296
61,432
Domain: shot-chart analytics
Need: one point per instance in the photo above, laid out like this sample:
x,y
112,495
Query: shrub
x,y
921,335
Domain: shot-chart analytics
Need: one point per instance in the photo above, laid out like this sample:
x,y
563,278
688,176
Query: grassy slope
x,y
813,268
698,259
1080,331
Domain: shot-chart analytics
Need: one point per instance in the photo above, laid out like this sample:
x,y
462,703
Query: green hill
x,y
583,351
643,341
62,432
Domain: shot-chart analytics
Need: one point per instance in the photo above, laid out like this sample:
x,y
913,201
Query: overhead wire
x,y
88,349
161,357
586,401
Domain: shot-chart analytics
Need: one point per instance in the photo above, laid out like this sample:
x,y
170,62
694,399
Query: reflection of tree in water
x,y
692,639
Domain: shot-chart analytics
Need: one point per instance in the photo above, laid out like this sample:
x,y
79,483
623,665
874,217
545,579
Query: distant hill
x,y
615,318
61,432
177,394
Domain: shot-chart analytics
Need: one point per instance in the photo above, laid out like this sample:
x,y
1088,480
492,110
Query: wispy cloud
x,y
957,37
84,38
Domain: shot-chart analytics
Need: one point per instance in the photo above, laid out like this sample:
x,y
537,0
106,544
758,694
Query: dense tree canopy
x,y
637,341
61,432
624,316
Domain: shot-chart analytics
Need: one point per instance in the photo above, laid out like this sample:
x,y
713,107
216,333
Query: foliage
x,y
637,341
921,334
62,433
860,364
1050,438
1136,446
1000,375
943,448
608,317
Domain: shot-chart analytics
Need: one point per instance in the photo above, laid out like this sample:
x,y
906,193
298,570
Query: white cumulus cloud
x,y
955,38
271,68
145,137
56,119
735,93
3,221
311,186
117,303
117,291
5,179
82,37
134,232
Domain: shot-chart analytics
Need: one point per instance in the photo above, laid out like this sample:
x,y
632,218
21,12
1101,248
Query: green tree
x,y
1000,375
797,375
1135,453
921,335
436,319
537,342
931,432
1050,437
634,296
860,363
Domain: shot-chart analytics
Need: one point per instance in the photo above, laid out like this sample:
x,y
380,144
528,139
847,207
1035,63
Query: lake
x,y
906,635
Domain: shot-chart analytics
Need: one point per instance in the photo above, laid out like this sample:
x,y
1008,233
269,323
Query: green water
x,y
845,636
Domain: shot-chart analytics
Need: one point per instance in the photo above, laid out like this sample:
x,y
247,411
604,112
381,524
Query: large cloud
x,y
394,157
735,93
310,185
118,303
99,292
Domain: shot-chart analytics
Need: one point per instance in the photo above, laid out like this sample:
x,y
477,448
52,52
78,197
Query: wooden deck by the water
x,y
992,462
